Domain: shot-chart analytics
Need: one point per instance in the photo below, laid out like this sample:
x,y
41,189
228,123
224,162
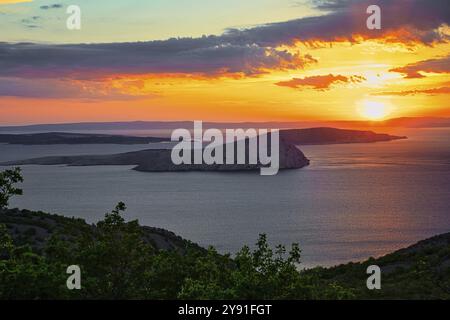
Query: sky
x,y
234,60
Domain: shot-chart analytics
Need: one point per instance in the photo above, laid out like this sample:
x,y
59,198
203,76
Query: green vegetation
x,y
123,260
7,180
117,263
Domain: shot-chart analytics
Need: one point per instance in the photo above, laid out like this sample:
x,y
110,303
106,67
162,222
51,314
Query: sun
x,y
374,110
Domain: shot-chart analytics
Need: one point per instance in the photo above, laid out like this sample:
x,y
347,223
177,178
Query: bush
x,y
8,179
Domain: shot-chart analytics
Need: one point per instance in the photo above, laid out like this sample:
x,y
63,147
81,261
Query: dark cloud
x,y
51,6
413,70
247,52
404,21
432,91
321,82
237,52
207,55
31,22
333,5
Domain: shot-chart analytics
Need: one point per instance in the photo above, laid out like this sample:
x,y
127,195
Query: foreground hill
x,y
36,228
421,271
182,269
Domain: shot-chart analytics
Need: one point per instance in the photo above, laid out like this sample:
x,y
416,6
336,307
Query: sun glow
x,y
374,110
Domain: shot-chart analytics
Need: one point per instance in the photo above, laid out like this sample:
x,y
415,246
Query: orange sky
x,y
367,79
259,98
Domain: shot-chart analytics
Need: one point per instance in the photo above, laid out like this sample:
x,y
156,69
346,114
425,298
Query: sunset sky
x,y
215,60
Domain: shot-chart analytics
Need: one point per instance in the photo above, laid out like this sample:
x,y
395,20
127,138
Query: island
x,y
326,135
159,159
49,138
321,135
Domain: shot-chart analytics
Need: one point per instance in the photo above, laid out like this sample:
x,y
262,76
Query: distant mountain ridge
x,y
405,122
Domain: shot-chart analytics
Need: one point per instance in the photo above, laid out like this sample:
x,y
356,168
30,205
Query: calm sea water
x,y
353,202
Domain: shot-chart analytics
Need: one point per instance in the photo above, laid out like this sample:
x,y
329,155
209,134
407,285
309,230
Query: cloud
x,y
249,51
51,6
31,22
403,21
439,65
207,55
321,82
71,89
245,52
236,52
433,91
197,57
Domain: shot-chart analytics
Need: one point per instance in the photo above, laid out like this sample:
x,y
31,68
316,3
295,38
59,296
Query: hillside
x,y
36,228
421,271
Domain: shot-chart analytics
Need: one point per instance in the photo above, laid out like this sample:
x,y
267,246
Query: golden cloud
x,y
320,82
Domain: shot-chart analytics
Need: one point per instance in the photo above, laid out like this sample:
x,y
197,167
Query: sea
x,y
353,202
